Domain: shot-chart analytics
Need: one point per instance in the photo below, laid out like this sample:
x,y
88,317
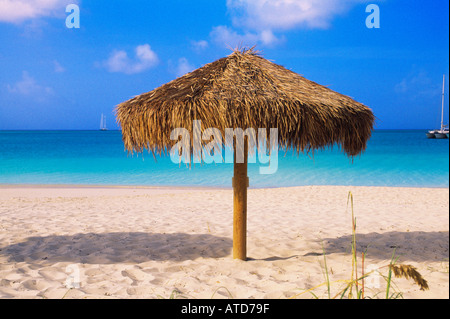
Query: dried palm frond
x,y
244,90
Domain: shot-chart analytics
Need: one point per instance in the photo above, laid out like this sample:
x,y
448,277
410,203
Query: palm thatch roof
x,y
245,90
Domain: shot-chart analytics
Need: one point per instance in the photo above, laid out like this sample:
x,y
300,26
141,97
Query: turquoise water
x,y
392,158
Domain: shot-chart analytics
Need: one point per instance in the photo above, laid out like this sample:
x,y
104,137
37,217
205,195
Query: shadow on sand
x,y
410,246
138,247
118,247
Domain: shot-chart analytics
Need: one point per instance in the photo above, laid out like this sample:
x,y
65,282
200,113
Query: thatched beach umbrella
x,y
244,90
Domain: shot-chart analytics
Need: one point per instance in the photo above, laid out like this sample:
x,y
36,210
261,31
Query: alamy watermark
x,y
373,19
267,153
73,19
373,279
73,279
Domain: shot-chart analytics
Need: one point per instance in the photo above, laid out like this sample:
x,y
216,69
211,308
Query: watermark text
x,y
212,151
373,19
73,19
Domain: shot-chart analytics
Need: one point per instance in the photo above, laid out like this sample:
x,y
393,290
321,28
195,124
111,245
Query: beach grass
x,y
354,287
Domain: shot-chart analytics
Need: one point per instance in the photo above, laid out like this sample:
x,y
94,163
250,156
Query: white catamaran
x,y
103,123
443,132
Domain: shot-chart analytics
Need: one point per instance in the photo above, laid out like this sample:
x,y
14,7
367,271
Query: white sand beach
x,y
144,242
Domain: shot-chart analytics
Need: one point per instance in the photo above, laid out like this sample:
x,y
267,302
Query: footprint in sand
x,y
137,275
33,284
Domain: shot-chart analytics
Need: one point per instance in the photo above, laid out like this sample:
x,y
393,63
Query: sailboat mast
x,y
442,113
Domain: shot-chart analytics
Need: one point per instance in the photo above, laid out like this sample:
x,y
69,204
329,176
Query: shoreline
x,y
183,187
106,186
86,190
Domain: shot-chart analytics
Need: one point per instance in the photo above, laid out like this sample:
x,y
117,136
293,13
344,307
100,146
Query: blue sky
x,y
54,77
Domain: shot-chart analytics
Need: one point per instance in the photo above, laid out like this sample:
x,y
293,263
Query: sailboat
x,y
103,123
443,132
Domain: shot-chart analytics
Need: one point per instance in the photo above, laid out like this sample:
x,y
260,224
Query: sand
x,y
137,242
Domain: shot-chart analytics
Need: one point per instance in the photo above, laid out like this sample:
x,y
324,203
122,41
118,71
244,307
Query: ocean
x,y
404,158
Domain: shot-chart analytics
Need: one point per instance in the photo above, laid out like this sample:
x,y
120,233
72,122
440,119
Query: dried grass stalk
x,y
407,272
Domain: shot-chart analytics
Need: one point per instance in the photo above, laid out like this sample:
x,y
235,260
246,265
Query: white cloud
x,y
228,37
58,67
417,84
199,45
119,61
183,67
16,11
268,38
258,20
28,86
286,14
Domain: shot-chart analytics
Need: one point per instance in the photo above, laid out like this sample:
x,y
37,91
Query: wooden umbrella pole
x,y
240,184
